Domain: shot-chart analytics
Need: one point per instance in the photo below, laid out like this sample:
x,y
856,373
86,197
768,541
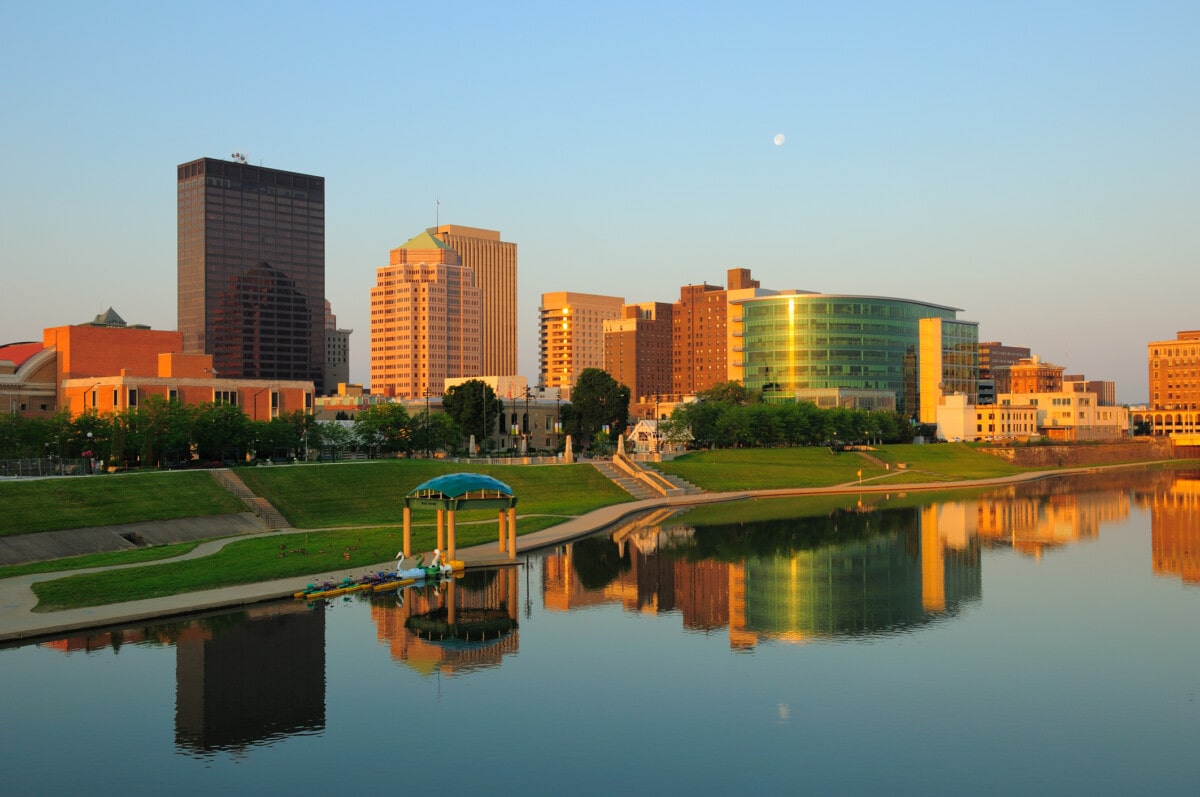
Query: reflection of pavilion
x,y
872,583
1175,528
250,682
480,604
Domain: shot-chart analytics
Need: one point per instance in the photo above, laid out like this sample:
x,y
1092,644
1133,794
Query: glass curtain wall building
x,y
807,341
251,266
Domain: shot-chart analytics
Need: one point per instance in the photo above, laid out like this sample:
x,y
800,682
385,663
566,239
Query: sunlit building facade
x,y
495,265
425,320
813,341
571,336
1174,372
637,349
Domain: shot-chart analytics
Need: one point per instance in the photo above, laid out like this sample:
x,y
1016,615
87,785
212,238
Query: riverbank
x,y
19,621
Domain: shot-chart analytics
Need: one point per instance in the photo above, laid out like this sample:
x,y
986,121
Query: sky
x,y
1034,164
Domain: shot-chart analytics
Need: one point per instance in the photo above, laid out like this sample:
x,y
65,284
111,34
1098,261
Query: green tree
x,y
384,427
597,400
474,408
731,392
222,431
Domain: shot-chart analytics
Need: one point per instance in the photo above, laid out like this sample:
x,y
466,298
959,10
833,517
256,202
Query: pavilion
x,y
447,494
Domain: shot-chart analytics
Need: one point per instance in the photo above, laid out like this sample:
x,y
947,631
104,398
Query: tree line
x,y
730,416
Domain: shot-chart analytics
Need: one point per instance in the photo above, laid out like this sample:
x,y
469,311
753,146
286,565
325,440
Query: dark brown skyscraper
x,y
252,269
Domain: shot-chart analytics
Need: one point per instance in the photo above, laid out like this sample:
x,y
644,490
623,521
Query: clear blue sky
x,y
1035,164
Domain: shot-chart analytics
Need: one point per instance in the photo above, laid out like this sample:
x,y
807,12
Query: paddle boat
x,y
413,566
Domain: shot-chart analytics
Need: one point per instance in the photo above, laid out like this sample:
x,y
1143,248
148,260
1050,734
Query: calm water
x,y
1041,640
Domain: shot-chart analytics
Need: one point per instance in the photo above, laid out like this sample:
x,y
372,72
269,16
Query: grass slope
x,y
372,493
774,468
71,503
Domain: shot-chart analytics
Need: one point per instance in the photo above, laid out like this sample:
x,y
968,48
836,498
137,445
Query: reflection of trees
x,y
736,542
598,561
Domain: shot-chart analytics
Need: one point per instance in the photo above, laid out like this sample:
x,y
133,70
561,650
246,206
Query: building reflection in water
x,y
855,573
1175,526
863,570
249,682
453,626
241,678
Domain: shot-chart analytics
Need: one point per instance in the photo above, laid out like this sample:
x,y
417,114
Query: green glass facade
x,y
820,341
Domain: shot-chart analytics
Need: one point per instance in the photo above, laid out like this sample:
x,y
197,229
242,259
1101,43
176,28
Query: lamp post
x,y
525,423
557,418
657,397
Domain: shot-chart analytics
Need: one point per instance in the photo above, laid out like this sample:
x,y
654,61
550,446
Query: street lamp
x,y
525,423
657,398
557,418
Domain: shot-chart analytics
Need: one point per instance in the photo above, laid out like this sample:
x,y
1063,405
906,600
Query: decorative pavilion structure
x,y
447,494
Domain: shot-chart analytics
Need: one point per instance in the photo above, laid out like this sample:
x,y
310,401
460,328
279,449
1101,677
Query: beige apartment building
x,y
495,265
425,320
571,335
1174,371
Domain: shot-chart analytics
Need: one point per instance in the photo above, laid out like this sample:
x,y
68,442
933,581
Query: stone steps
x,y
258,505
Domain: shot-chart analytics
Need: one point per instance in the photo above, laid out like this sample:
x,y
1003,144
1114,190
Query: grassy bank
x,y
766,469
372,493
293,555
77,502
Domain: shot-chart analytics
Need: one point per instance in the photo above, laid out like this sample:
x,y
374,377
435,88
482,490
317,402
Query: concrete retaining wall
x,y
1143,449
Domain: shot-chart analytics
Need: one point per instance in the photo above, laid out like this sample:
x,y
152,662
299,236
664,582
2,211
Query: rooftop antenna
x,y
437,214
240,157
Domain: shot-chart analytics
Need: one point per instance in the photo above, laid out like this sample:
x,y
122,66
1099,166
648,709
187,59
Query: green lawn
x,y
775,468
148,554
372,493
76,502
299,554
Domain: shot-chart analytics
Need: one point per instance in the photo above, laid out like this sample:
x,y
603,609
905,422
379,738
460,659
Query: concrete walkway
x,y
18,620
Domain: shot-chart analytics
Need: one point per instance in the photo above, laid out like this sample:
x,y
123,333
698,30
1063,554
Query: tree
x,y
474,408
731,392
597,400
384,427
222,431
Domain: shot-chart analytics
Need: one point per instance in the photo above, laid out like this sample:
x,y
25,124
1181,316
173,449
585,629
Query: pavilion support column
x,y
514,596
450,535
407,532
503,532
512,533
441,540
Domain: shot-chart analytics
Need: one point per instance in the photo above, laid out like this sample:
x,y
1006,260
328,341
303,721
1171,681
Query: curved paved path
x,y
19,621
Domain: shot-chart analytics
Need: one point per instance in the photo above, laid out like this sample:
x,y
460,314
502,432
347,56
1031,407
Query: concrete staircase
x,y
682,484
625,482
259,506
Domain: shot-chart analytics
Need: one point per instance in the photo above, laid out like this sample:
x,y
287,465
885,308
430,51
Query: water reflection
x,y
1175,527
241,679
455,626
862,569
852,573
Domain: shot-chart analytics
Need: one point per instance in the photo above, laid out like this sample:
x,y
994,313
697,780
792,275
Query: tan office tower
x,y
495,265
425,320
571,335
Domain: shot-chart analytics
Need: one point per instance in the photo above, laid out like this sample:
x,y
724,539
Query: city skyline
x,y
1033,164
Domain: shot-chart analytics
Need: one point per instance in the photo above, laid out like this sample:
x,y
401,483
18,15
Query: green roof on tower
x,y
424,241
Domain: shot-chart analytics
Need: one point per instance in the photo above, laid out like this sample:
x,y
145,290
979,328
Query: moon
x,y
779,139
